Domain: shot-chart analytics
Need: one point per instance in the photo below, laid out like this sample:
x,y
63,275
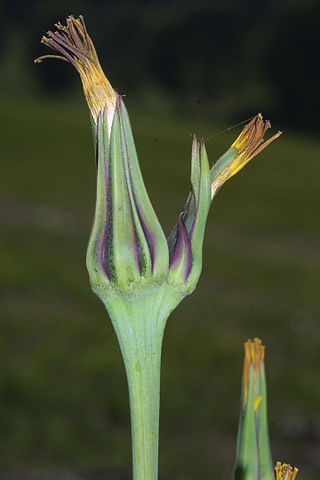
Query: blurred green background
x,y
185,66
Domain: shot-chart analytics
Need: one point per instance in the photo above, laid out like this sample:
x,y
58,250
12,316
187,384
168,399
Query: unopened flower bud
x,y
185,242
127,248
253,458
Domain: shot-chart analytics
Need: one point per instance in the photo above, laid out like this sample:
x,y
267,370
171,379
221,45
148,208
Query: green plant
x,y
139,275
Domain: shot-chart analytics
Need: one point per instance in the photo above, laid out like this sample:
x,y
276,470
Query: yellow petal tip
x,y
254,353
74,45
284,471
249,143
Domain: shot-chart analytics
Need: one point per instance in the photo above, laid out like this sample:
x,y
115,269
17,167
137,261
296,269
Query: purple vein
x,y
199,192
146,230
127,188
105,230
182,242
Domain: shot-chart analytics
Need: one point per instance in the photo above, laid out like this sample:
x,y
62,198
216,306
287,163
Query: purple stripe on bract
x,y
198,200
182,242
147,232
136,247
102,248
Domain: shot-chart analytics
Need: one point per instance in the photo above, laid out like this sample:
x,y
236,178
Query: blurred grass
x,y
63,398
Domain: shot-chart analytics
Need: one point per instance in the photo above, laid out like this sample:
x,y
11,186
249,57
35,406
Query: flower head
x,y
127,249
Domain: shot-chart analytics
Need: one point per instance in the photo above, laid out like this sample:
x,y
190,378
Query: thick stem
x,y
139,327
143,373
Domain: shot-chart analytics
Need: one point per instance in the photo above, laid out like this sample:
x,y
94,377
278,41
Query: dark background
x,y
185,66
227,57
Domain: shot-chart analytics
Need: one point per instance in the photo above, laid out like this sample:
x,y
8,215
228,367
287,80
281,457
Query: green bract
x,y
128,252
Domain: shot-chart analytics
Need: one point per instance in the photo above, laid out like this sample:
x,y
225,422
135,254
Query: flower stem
x,y
143,374
139,327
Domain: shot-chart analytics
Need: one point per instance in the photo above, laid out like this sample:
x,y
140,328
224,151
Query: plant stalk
x,y
139,327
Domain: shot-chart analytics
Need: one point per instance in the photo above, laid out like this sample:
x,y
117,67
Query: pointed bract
x,y
194,217
181,258
126,237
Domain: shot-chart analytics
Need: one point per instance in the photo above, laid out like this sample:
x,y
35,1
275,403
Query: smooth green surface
x,y
253,459
139,322
63,390
248,448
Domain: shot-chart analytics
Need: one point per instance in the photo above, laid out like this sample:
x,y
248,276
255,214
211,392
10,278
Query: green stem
x,y
143,374
139,326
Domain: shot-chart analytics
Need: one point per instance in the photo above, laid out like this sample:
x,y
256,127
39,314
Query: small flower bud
x,y
186,239
253,458
185,242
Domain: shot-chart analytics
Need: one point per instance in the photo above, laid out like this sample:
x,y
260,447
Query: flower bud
x,y
127,246
185,242
253,458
